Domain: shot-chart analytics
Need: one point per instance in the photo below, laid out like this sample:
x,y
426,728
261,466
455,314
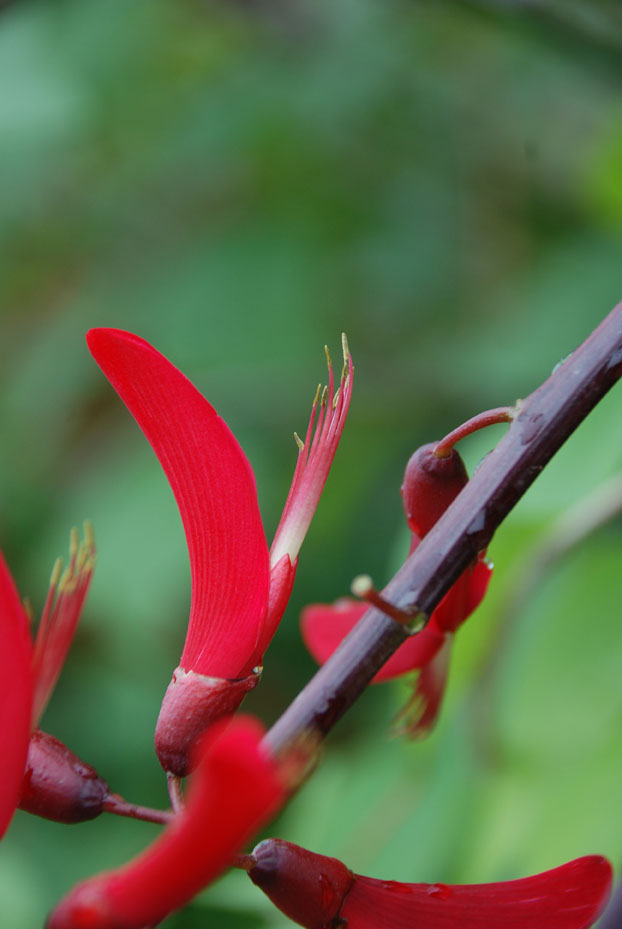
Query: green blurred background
x,y
238,183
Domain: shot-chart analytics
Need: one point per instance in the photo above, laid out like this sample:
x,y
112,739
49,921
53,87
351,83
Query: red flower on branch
x,y
239,588
235,789
318,892
430,485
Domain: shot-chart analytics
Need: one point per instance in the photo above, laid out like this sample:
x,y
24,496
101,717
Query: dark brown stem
x,y
542,424
120,807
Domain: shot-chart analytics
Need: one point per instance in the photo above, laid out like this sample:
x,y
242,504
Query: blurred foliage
x,y
239,183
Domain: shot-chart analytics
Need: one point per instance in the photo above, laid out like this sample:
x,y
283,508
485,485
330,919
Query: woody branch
x,y
542,423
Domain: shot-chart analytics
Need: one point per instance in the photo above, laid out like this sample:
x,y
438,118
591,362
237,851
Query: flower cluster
x,y
431,484
240,589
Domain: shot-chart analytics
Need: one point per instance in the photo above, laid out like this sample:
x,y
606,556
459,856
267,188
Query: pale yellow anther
x,y
65,580
83,553
346,355
299,442
324,395
317,395
336,398
327,353
54,576
74,542
361,585
89,536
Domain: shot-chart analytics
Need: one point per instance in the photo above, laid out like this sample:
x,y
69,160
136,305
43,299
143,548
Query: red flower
x,y
239,589
430,486
316,892
16,686
40,774
235,789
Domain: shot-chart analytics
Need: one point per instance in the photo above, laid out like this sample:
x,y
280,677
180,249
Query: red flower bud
x,y
308,888
58,785
430,485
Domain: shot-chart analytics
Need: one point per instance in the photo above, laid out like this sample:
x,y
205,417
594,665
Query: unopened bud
x,y
430,485
58,785
308,888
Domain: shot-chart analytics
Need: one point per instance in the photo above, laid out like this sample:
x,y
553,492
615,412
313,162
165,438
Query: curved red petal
x,y
569,897
481,574
418,717
324,626
16,687
282,577
236,789
215,490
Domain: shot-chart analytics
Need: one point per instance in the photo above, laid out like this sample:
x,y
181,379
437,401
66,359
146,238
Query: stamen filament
x,y
61,612
315,456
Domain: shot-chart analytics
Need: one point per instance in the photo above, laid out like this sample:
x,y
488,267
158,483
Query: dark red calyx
x,y
430,485
58,785
192,703
308,888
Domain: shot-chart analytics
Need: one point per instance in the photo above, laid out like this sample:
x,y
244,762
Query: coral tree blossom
x,y
320,892
40,774
430,485
16,682
239,588
235,789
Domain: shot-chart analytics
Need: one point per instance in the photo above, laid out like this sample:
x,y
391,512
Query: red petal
x,y
235,790
215,490
478,584
282,578
15,694
324,626
419,715
568,897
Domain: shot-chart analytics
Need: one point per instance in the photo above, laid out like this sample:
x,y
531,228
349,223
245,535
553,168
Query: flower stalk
x,y
545,420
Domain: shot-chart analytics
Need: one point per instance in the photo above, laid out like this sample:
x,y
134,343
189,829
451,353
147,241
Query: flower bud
x,y
58,785
430,485
308,888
